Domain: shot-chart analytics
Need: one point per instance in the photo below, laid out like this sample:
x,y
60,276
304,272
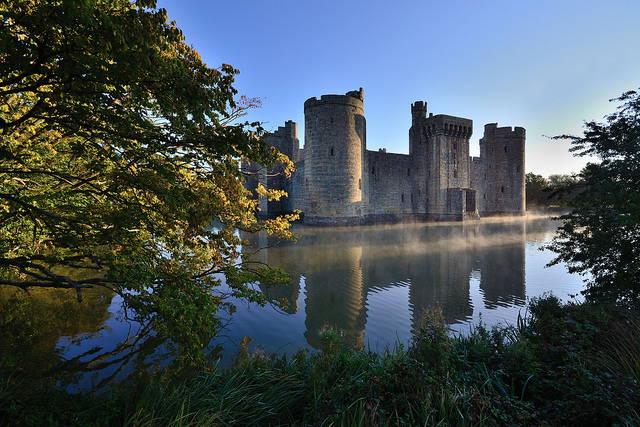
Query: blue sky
x,y
544,65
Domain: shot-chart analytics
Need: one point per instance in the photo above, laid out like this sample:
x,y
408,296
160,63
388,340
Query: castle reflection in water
x,y
339,268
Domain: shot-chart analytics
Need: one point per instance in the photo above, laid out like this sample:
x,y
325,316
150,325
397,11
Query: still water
x,y
370,282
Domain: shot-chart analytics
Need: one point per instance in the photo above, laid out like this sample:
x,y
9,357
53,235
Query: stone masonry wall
x,y
502,151
389,183
335,142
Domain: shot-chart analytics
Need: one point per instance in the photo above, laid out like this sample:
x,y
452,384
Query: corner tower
x,y
501,181
335,144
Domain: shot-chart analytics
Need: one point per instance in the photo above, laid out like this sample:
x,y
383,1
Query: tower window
x,y
502,189
455,173
360,184
373,170
408,172
402,198
505,148
331,151
411,197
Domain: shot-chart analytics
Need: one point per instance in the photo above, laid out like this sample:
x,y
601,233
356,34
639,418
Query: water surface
x,y
371,282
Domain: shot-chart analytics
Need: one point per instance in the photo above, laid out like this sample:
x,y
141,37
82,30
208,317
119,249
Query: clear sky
x,y
545,65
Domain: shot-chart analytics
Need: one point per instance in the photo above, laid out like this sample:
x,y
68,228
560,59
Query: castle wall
x,y
335,142
285,140
503,177
478,181
390,183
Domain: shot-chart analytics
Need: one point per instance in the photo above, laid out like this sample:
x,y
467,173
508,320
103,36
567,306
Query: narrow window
x,y
331,151
505,148
411,197
402,198
360,184
331,119
408,172
502,189
455,145
373,170
455,173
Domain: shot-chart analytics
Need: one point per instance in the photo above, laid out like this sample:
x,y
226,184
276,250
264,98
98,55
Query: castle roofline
x,y
448,125
505,131
354,98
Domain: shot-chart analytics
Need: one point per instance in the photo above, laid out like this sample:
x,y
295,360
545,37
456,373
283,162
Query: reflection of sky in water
x,y
373,284
107,354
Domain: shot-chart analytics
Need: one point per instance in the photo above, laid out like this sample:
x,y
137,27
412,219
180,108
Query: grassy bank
x,y
573,364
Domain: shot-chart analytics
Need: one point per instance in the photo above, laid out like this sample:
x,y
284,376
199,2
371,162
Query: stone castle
x,y
338,181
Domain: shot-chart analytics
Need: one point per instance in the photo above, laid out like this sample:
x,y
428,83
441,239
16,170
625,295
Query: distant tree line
x,y
552,193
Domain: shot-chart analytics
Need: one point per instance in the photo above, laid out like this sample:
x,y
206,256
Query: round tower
x,y
335,144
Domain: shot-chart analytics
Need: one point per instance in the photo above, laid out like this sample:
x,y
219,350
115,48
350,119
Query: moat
x,y
370,282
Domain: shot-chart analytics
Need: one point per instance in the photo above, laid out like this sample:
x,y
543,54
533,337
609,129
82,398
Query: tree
x,y
118,150
601,236
537,191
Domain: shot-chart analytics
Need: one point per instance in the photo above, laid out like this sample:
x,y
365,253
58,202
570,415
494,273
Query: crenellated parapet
x,y
353,98
452,126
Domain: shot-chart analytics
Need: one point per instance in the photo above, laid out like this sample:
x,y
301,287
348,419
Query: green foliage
x,y
537,194
600,237
119,148
552,193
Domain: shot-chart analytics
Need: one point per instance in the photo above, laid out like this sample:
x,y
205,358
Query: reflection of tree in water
x,y
341,265
48,337
30,326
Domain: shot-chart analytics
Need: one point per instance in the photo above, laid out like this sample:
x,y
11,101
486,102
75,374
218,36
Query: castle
x,y
338,181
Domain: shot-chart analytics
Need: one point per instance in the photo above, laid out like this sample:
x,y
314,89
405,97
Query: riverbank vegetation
x,y
561,364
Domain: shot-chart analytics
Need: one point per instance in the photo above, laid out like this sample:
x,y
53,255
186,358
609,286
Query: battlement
x,y
492,129
448,126
418,112
289,130
353,98
419,108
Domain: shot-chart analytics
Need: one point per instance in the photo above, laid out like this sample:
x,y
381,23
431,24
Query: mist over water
x,y
373,282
